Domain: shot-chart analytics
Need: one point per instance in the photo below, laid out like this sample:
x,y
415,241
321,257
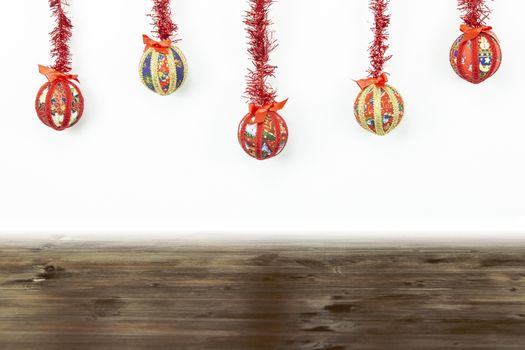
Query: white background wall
x,y
142,166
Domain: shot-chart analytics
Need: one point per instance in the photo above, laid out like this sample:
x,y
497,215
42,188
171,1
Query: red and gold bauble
x,y
476,55
263,132
59,103
379,108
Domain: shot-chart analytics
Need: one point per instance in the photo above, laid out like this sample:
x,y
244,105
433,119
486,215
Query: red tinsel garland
x,y
60,37
475,12
261,43
378,47
162,21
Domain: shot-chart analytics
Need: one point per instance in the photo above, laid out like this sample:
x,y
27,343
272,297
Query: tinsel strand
x,y
261,44
475,12
162,21
60,37
378,47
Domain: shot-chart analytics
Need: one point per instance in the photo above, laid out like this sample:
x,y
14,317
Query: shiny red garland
x,y
379,47
262,43
60,37
162,21
475,12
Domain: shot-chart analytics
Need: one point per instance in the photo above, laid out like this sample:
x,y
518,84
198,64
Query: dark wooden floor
x,y
77,297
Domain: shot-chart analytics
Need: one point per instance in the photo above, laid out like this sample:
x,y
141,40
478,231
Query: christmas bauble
x,y
163,72
379,108
59,104
477,59
265,139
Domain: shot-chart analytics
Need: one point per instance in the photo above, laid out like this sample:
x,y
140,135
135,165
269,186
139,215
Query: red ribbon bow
x,y
261,112
52,74
472,33
380,80
160,46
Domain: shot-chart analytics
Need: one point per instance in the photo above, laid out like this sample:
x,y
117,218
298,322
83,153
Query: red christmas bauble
x,y
379,108
263,140
477,59
59,104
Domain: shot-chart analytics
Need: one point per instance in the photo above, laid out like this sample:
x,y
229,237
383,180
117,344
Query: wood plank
x,y
168,296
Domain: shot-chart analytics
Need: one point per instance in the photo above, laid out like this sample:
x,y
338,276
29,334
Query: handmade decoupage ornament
x,y
163,68
378,108
476,54
262,133
59,103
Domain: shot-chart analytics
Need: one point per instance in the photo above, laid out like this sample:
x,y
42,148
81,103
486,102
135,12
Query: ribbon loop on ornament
x,y
160,46
473,33
380,81
53,74
260,112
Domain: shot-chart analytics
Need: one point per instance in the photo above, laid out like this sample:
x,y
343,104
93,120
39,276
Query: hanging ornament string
x,y
60,37
262,133
261,44
379,107
164,27
474,12
163,68
59,103
379,47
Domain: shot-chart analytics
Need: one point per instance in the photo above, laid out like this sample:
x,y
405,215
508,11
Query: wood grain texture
x,y
89,296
